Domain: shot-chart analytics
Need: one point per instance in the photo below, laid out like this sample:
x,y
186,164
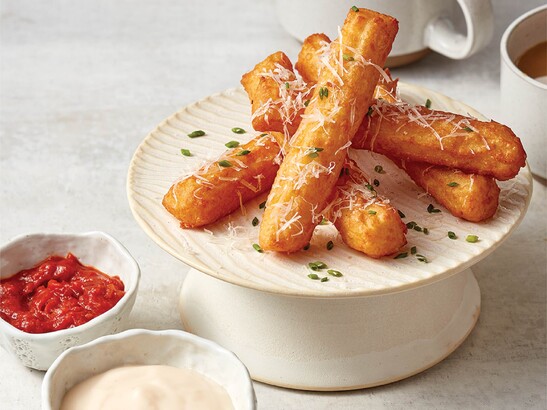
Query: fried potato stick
x,y
309,64
468,196
416,133
311,167
222,186
366,221
277,95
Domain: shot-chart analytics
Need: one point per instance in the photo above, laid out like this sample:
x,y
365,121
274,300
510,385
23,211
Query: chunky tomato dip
x,y
56,294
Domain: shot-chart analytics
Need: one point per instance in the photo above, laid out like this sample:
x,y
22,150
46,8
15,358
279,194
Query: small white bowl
x,y
97,249
146,347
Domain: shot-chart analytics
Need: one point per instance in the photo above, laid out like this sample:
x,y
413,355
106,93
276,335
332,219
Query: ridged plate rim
x,y
153,169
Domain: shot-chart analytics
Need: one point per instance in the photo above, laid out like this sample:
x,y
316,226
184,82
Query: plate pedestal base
x,y
333,343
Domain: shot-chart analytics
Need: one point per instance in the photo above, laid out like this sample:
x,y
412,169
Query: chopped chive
x,y
263,135
225,164
452,184
370,111
432,210
421,258
418,228
287,86
369,187
232,144
379,169
452,235
468,129
313,155
355,8
257,248
347,57
428,103
323,92
313,276
306,103
335,273
330,245
426,231
371,212
262,205
472,238
317,265
411,225
413,250
243,152
313,152
237,130
376,182
324,279
185,152
255,221
401,255
306,247
402,215
197,133
324,221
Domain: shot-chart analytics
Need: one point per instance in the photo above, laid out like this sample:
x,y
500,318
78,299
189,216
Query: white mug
x,y
423,24
524,99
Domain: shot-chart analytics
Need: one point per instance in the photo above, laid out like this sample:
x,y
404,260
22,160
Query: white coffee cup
x,y
524,99
423,24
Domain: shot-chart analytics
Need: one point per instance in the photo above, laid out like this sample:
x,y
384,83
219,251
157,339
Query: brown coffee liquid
x,y
534,61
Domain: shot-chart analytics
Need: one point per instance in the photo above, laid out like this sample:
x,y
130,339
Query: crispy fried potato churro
x,y
311,167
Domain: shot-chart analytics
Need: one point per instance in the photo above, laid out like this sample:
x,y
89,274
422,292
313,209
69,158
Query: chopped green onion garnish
x,y
334,273
313,152
369,187
472,238
197,133
263,135
413,250
306,247
324,221
401,214
428,103
411,225
401,255
330,245
255,221
257,248
452,184
323,92
243,152
317,265
379,169
468,129
421,258
232,144
237,130
347,57
313,276
432,210
376,182
324,279
371,212
262,205
287,86
355,8
452,235
224,163
426,231
306,103
418,228
370,111
185,152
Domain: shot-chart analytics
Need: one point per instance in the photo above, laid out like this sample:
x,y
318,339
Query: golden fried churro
x,y
223,186
311,167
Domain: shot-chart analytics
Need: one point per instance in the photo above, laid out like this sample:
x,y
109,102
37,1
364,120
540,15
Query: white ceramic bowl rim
x,y
116,309
179,334
503,46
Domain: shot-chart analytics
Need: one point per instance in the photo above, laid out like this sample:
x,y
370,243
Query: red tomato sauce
x,y
56,294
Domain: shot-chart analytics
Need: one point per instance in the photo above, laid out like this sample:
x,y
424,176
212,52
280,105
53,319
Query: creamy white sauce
x,y
147,388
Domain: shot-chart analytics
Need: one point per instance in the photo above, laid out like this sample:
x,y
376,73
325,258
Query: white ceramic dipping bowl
x,y
146,347
96,249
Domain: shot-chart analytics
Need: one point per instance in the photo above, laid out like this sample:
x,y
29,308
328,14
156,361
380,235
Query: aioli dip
x,y
154,387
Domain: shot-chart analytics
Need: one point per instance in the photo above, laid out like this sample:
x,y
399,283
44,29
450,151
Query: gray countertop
x,y
83,82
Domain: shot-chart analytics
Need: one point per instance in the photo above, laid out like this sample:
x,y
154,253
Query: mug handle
x,y
441,37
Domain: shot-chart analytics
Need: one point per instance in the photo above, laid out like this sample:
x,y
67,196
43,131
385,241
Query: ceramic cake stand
x,y
382,321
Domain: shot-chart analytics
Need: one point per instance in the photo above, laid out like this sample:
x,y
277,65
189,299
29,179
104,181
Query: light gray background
x,y
82,83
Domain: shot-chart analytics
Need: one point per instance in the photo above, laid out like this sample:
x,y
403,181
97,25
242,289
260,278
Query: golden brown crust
x,y
308,63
